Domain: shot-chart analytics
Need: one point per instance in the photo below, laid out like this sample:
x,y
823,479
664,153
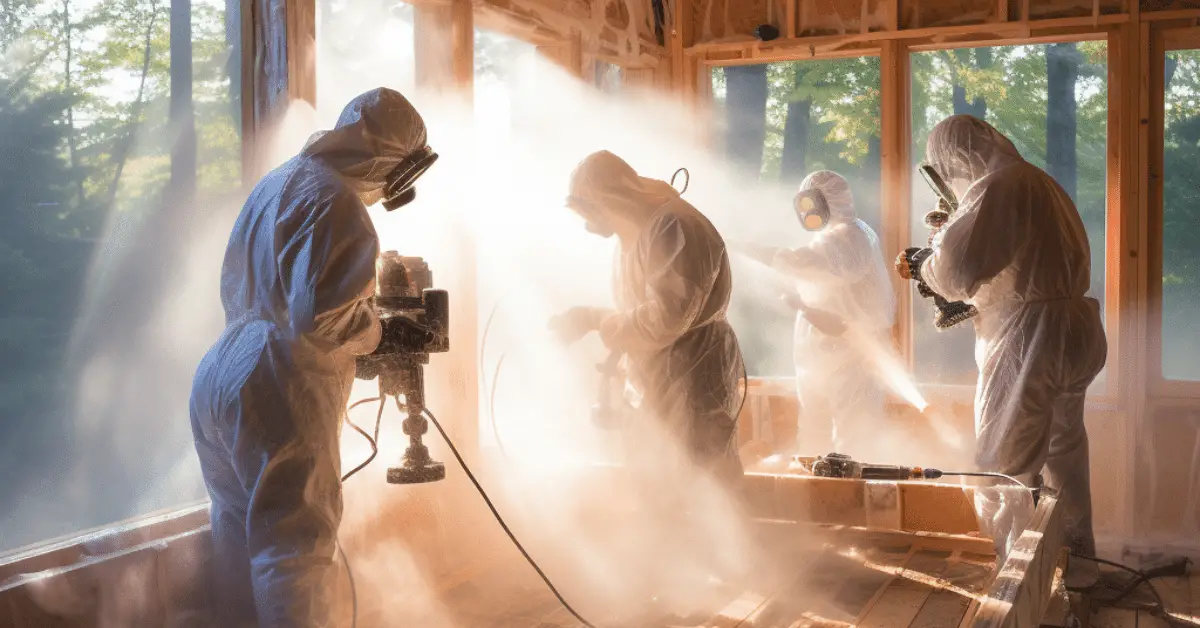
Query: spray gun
x,y
611,410
416,322
947,313
837,465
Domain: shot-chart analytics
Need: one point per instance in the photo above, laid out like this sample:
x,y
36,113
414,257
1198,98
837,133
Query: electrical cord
x,y
353,590
933,474
374,442
1177,568
500,520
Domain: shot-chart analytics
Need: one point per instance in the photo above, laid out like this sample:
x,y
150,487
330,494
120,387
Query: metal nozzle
x,y
416,467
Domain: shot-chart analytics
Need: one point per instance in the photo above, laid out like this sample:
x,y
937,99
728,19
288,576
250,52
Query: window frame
x,y
1161,41
896,164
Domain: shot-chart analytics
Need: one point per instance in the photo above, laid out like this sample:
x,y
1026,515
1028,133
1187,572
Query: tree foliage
x,y
86,142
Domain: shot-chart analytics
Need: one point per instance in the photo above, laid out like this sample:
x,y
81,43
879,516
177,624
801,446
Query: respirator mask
x,y
812,209
399,189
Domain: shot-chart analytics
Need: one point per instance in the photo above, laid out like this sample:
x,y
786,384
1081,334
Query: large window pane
x,y
1181,217
117,144
503,66
780,122
1052,102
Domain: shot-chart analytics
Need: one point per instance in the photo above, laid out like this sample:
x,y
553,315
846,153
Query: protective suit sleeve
x,y
831,259
984,239
678,277
285,453
330,268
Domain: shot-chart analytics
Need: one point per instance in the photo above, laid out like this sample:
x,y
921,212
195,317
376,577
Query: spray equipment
x,y
400,190
416,322
947,313
842,466
812,209
611,411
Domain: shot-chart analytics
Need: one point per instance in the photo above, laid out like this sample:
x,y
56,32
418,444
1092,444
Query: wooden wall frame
x,y
1162,41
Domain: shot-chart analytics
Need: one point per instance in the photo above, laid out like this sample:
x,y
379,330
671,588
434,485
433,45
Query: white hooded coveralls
x,y
268,398
841,271
672,284
1017,249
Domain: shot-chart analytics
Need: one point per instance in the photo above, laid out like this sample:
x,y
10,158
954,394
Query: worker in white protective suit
x,y
840,276
268,398
1016,249
672,285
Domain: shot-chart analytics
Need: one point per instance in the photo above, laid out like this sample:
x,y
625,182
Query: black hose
x,y
500,520
373,441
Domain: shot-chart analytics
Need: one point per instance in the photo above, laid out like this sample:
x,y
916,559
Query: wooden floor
x,y
879,586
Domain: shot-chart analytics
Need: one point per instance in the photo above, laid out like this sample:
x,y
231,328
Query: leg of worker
x,y
1068,472
1014,411
232,589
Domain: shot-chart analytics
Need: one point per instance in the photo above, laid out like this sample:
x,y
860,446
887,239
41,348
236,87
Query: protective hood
x,y
837,193
966,148
612,188
375,132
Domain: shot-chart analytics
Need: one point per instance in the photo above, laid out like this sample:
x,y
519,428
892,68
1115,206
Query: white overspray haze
x,y
497,194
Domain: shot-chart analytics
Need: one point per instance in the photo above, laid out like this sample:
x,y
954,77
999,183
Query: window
x,y
1051,100
361,46
501,69
1181,215
103,192
780,122
607,76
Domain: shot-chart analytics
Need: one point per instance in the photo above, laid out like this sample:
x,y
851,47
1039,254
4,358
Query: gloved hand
x,y
575,323
908,263
821,320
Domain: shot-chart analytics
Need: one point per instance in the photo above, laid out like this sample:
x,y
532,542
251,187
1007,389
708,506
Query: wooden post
x,y
895,179
302,50
462,37
280,65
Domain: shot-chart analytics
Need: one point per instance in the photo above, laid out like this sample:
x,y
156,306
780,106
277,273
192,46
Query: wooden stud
x,y
895,180
302,50
790,17
1019,595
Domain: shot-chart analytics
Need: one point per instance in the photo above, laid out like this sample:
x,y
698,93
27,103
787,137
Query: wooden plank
x,y
783,529
943,508
883,506
1018,596
911,506
891,564
69,550
899,605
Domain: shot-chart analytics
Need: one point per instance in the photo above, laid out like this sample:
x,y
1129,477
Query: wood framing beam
x,y
280,63
302,50
895,140
803,47
1021,592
